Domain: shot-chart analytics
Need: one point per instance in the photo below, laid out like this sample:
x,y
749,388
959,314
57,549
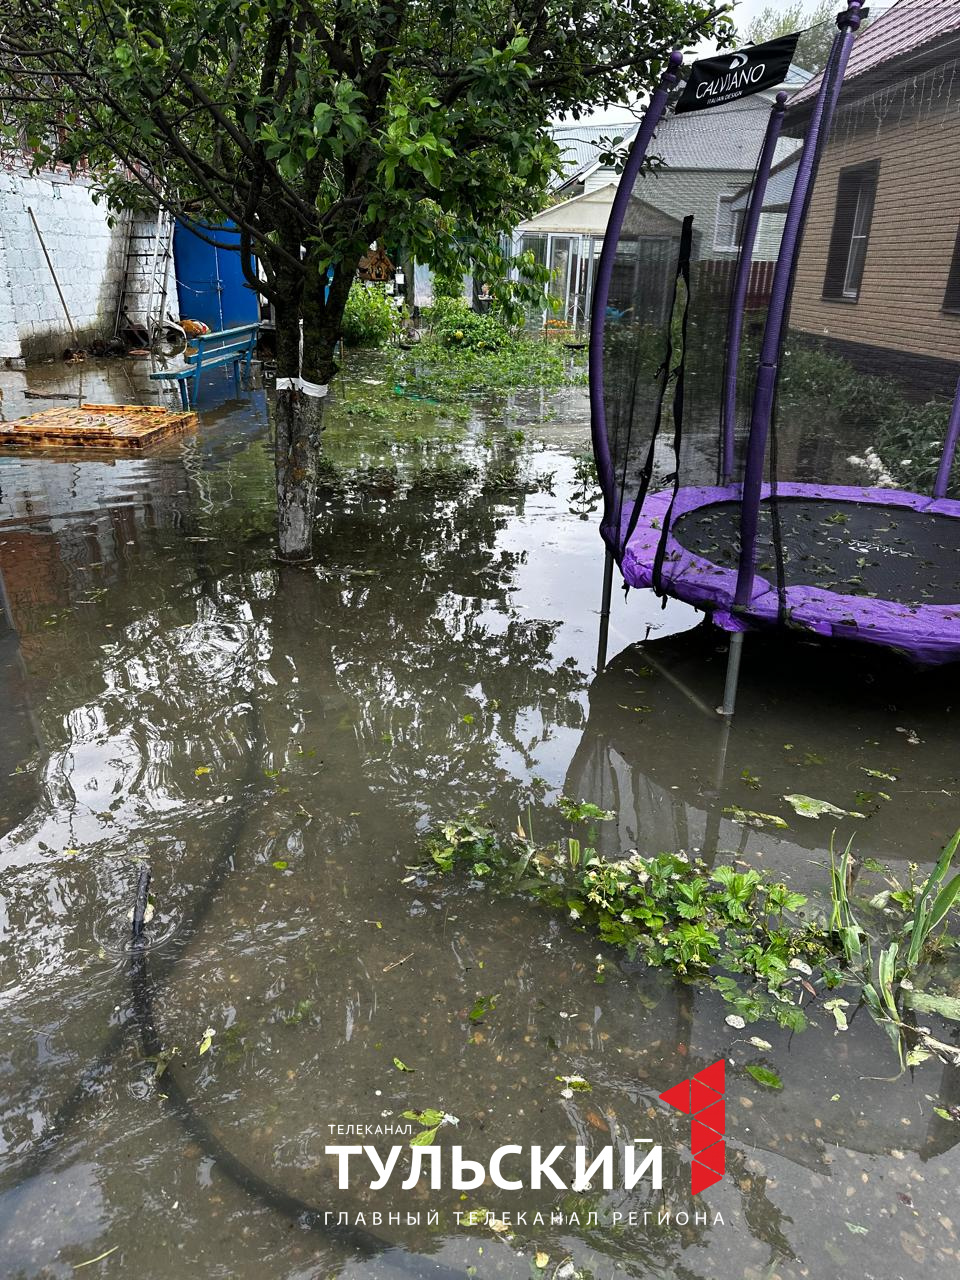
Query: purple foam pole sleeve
x,y
764,394
949,448
601,289
738,301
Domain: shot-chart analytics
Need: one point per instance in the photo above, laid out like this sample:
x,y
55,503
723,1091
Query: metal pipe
x,y
63,301
601,291
949,448
741,285
768,372
732,682
605,610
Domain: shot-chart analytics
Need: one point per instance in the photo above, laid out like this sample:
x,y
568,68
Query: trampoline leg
x,y
605,610
734,654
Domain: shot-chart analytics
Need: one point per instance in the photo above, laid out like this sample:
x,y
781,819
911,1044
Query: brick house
x,y
878,275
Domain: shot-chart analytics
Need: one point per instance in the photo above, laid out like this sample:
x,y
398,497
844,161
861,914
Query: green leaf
x,y
762,1076
836,1007
943,902
925,1002
401,1066
750,818
430,1116
809,807
425,1138
207,1041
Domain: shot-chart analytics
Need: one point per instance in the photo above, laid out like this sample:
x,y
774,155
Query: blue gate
x,y
210,283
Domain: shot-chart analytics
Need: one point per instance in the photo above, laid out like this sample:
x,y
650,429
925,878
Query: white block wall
x,y
87,255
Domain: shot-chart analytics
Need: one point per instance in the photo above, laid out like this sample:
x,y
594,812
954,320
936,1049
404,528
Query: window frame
x,y
855,205
727,198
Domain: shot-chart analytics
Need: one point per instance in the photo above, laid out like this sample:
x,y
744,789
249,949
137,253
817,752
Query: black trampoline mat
x,y
854,548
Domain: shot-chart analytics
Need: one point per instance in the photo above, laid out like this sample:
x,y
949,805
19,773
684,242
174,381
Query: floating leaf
x,y
482,1006
809,807
760,1044
200,770
855,1229
280,864
836,1007
750,818
878,773
430,1116
765,1077
541,1260
424,1139
207,1040
946,1006
401,1066
576,1084
734,1020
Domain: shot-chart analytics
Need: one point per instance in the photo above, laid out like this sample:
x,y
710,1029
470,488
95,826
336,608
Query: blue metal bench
x,y
213,350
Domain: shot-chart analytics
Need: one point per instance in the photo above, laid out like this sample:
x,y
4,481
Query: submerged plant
x,y
755,940
740,930
886,973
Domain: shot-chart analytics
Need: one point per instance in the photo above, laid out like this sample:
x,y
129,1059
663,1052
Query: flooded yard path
x,y
276,743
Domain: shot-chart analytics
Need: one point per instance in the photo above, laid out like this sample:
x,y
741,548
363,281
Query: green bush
x,y
907,436
448,285
456,325
370,317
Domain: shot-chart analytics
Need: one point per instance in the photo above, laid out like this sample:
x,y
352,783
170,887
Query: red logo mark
x,y
702,1097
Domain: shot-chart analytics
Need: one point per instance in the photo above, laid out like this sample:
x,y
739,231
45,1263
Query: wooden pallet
x,y
95,426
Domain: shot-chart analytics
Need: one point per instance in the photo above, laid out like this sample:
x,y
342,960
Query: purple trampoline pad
x,y
872,564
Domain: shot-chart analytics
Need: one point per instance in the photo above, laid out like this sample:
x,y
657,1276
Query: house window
x,y
729,225
856,192
951,299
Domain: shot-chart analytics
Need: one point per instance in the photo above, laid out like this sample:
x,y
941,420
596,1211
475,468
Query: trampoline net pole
x,y
613,495
945,469
605,610
763,404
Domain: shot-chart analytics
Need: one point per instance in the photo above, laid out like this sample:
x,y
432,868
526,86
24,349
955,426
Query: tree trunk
x,y
299,422
303,370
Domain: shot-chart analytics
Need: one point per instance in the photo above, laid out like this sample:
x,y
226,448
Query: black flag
x,y
729,76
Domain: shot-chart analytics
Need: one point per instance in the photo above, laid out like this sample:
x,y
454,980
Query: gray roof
x,y
580,146
724,138
779,185
721,139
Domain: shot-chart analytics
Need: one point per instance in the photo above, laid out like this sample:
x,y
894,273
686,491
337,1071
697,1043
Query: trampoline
x,y
775,365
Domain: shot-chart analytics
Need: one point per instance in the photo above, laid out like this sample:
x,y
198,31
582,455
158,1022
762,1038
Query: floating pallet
x,y
95,426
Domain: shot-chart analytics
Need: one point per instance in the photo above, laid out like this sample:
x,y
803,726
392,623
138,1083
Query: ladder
x,y
143,294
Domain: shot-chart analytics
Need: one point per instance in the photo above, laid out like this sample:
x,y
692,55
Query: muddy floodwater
x,y
276,743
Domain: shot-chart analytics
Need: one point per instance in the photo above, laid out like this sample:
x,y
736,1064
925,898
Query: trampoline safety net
x,y
780,348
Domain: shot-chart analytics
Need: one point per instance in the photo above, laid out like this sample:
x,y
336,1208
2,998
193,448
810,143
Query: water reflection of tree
x,y
198,628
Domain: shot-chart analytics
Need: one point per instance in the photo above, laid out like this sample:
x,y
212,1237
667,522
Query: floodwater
x,y
275,743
